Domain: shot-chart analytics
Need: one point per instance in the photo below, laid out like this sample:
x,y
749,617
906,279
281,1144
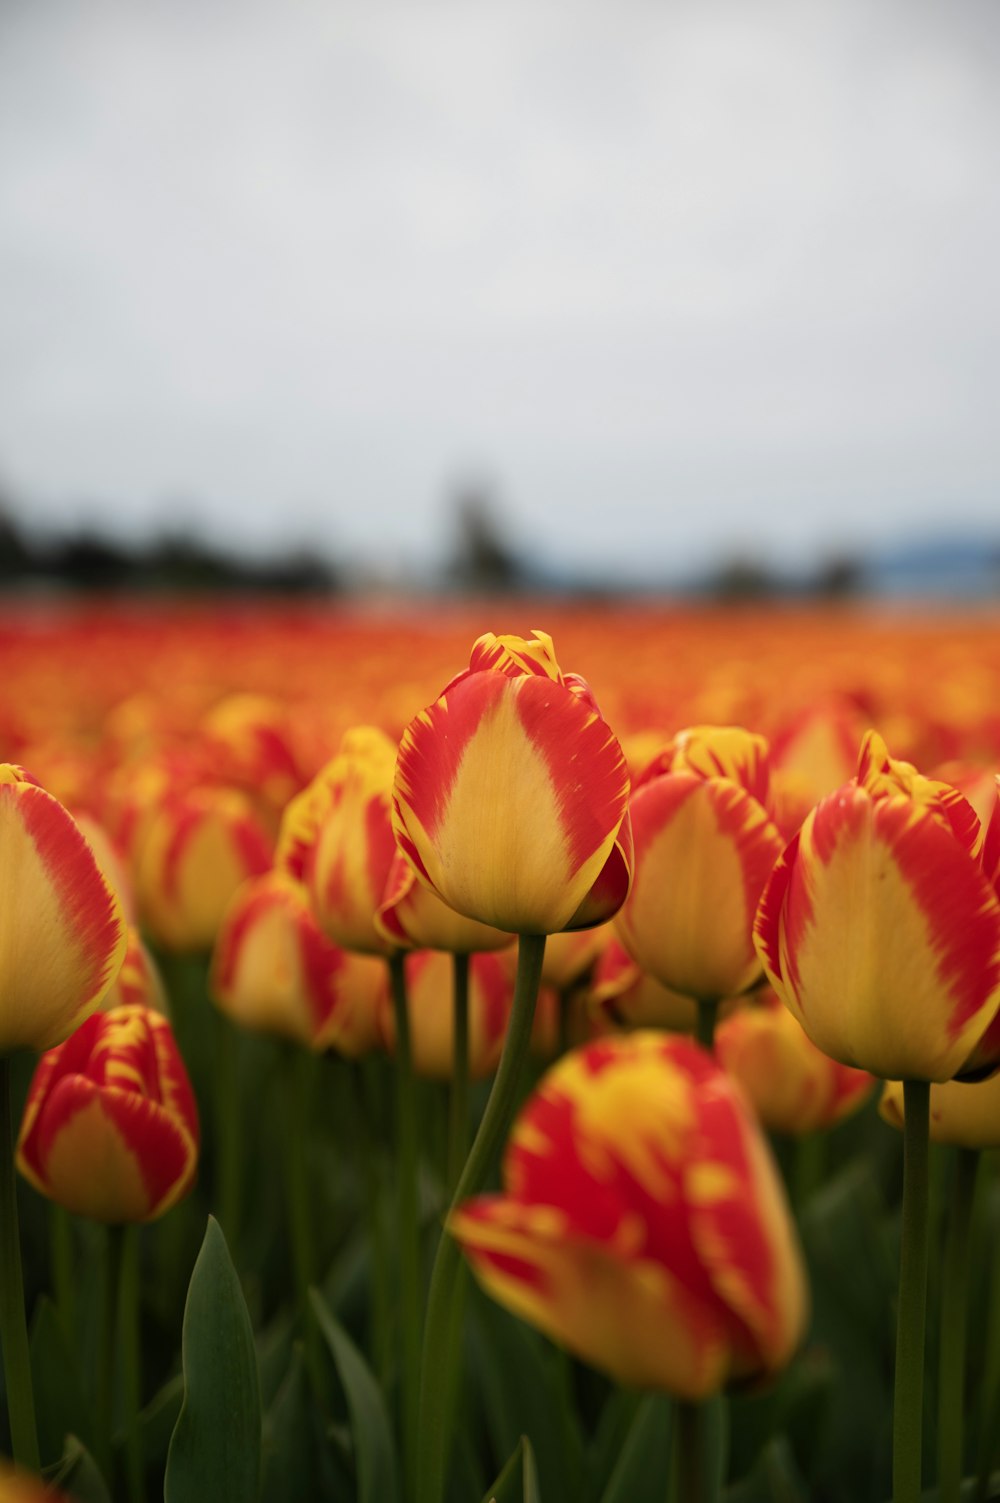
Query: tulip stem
x,y
128,1321
13,1325
369,1114
689,1481
228,1130
493,1129
104,1399
954,1315
63,1275
912,1308
989,1415
409,1219
705,1026
297,1071
458,1117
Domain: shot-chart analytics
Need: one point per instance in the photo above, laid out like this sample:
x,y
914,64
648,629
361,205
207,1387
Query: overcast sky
x,y
673,277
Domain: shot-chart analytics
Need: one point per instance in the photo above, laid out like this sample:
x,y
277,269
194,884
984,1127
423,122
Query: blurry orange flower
x,y
337,840
275,971
793,1086
643,1222
62,933
429,987
110,1128
511,794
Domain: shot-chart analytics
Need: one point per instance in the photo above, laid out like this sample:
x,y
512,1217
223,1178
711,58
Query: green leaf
x,y
642,1474
375,1456
518,1482
215,1448
157,1420
78,1475
60,1401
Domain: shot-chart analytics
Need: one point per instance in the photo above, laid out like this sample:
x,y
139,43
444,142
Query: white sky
x,y
676,277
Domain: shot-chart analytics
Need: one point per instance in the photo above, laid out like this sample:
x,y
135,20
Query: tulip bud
x,y
511,793
110,1128
62,933
643,1222
704,847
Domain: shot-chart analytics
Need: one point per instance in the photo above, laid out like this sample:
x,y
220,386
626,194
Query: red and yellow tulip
x,y
429,988
62,931
879,928
794,1087
110,1128
643,1222
965,1114
275,971
510,796
705,844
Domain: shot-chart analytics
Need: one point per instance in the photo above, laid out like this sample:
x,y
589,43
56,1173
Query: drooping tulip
x,y
62,931
275,971
879,928
510,796
705,844
110,1127
643,1223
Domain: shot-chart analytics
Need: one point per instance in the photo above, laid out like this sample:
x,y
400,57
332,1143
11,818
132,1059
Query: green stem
x,y
705,1027
228,1123
912,1310
955,1275
808,1167
458,1116
107,1340
13,1326
989,1413
296,1069
63,1273
493,1130
409,1220
368,1118
689,1476
128,1326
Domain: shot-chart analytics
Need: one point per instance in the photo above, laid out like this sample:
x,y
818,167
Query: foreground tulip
x,y
643,1224
275,971
704,847
62,934
110,1128
879,929
511,794
794,1087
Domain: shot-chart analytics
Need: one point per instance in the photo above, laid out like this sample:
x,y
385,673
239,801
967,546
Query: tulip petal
x,y
62,934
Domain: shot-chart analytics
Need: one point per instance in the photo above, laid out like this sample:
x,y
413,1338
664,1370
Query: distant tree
x,y
481,559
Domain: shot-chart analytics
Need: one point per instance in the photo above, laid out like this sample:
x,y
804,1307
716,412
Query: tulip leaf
x,y
518,1482
374,1453
77,1474
60,1401
216,1445
643,1469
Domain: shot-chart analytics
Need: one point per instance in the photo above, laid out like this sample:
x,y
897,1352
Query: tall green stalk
x,y
493,1129
228,1131
410,1282
954,1319
13,1325
689,1472
912,1310
708,1011
296,1066
107,1342
458,1104
131,1360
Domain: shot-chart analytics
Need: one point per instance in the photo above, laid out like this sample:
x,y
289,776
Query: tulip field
x,y
503,1051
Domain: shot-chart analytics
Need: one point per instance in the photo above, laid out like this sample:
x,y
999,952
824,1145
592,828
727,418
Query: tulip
x,y
643,1223
704,847
794,1087
110,1128
879,928
511,793
962,1113
62,932
198,848
624,996
275,971
336,838
429,985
